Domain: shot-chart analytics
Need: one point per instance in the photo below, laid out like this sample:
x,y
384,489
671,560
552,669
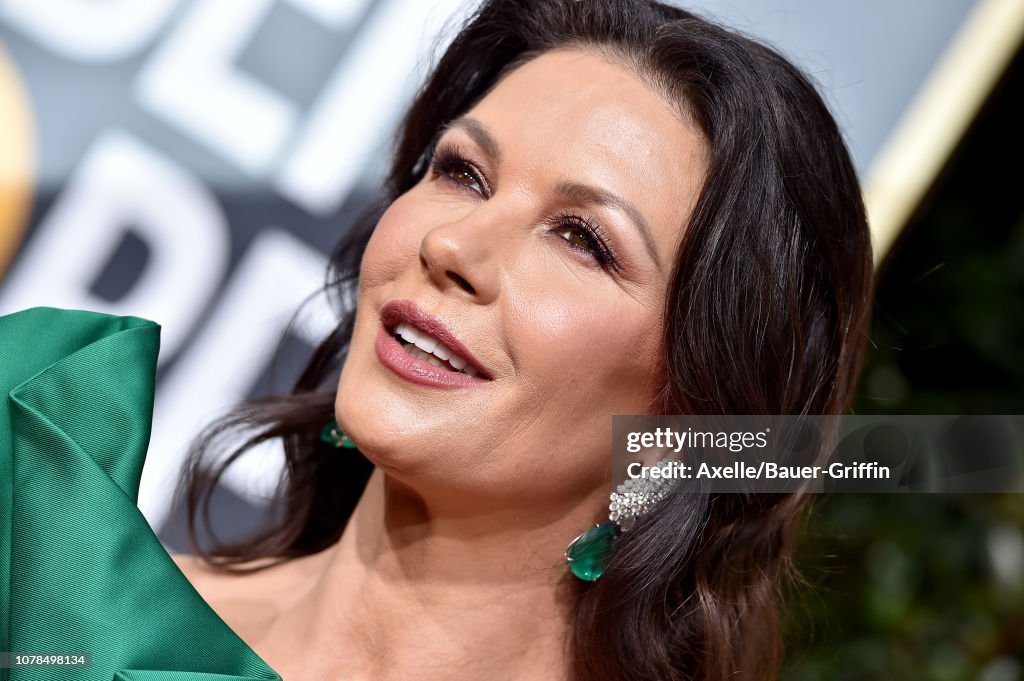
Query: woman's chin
x,y
383,424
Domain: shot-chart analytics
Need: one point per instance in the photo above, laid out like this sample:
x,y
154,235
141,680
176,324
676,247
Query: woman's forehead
x,y
603,98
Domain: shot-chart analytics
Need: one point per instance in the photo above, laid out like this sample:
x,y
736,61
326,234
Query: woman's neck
x,y
410,593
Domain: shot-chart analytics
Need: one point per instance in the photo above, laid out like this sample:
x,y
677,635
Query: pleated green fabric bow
x,y
80,568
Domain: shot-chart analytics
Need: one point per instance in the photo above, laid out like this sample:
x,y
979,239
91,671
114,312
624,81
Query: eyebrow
x,y
478,133
573,191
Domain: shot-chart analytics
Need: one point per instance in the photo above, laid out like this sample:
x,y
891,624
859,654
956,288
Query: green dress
x,y
81,571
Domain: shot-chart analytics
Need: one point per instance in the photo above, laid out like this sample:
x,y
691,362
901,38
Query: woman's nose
x,y
462,257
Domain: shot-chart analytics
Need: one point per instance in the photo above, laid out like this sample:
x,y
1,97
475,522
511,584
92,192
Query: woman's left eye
x,y
585,237
578,239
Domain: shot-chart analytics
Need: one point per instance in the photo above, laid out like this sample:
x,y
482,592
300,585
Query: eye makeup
x,y
449,162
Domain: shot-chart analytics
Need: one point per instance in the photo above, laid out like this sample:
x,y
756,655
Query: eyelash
x,y
448,159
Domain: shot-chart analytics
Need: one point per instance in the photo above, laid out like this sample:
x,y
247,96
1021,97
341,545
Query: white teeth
x,y
430,349
406,332
426,343
425,356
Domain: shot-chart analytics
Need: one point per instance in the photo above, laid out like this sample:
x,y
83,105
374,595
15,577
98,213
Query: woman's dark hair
x,y
766,313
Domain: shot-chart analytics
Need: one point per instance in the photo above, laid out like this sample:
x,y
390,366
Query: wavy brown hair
x,y
766,313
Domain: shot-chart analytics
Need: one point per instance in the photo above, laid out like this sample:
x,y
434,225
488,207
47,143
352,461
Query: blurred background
x,y
192,161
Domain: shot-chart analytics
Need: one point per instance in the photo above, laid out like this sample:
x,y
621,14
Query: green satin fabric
x,y
80,568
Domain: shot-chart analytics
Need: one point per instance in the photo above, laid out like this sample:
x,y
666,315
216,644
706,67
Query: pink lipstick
x,y
431,354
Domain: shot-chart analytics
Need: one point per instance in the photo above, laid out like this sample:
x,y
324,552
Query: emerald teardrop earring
x,y
588,555
333,435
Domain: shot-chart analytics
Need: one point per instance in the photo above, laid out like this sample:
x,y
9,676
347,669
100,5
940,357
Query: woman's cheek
x,y
622,357
588,339
390,247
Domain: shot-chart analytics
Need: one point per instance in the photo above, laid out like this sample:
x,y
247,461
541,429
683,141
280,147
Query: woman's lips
x,y
395,313
392,355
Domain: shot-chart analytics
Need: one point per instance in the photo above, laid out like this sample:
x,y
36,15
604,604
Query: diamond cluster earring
x,y
588,554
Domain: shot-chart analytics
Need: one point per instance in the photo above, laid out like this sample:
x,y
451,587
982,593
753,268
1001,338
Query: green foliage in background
x,y
931,586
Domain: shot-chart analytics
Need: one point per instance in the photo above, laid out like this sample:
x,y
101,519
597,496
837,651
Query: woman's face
x,y
542,238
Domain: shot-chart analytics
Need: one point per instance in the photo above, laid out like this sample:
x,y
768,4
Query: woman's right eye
x,y
450,163
466,178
